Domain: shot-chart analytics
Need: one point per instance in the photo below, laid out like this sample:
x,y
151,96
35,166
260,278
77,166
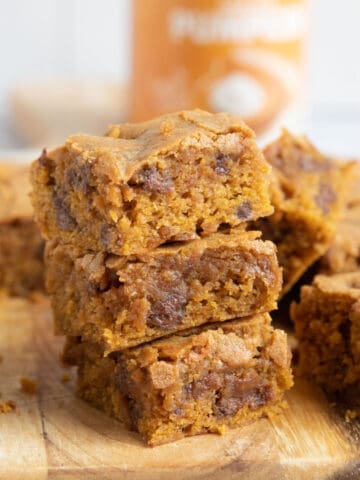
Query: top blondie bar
x,y
174,178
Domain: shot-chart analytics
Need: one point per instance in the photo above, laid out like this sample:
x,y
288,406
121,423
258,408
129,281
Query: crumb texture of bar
x,y
122,301
21,245
343,254
327,326
307,193
204,380
174,178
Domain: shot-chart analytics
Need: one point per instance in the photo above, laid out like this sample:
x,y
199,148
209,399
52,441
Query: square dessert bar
x,y
200,381
170,179
307,193
21,245
122,301
327,325
343,254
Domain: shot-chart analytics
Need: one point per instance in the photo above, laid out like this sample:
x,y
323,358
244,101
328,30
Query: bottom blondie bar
x,y
327,325
203,380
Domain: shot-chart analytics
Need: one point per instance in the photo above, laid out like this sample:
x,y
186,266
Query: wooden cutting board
x,y
51,434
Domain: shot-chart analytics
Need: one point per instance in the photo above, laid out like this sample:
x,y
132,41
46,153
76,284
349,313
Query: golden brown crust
x,y
166,133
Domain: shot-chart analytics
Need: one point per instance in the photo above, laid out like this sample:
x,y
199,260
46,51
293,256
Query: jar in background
x,y
244,57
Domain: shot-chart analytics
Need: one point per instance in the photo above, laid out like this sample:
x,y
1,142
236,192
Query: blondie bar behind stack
x,y
327,315
21,245
307,195
343,254
161,291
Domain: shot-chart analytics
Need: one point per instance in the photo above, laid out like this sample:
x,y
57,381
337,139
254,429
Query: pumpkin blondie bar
x,y
327,326
343,254
200,381
307,195
122,301
170,179
21,245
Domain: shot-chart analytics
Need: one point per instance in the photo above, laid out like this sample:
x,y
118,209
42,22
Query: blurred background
x,y
67,66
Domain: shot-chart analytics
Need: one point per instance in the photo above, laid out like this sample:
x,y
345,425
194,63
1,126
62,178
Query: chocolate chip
x,y
64,219
105,235
308,163
244,211
179,412
123,383
238,392
224,227
108,236
167,312
152,180
78,179
289,165
209,383
168,306
135,412
222,164
121,376
325,197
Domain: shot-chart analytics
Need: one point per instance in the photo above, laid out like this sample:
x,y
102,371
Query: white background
x,y
90,38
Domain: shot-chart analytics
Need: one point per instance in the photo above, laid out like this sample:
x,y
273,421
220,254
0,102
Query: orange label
x,y
240,56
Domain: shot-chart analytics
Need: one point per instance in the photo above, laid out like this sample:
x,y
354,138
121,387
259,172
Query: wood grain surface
x,y
52,434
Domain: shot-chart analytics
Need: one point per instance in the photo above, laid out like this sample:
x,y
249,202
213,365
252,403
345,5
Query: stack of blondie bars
x,y
157,281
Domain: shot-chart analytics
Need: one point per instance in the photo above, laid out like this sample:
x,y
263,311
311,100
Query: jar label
x,y
244,57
